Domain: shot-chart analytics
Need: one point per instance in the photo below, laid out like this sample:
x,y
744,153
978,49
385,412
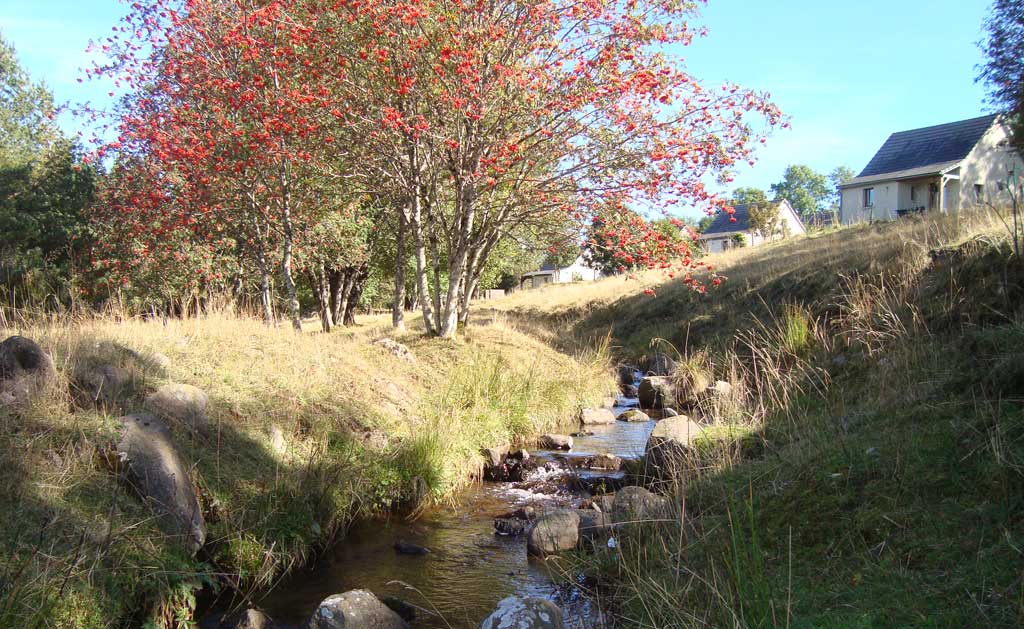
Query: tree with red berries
x,y
504,110
470,121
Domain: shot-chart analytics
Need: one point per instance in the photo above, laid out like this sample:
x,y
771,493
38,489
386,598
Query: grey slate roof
x,y
920,149
722,225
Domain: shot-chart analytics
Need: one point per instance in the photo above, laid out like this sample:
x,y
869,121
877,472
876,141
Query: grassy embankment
x,y
363,431
869,468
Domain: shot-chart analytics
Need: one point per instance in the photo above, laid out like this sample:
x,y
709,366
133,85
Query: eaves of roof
x,y
911,173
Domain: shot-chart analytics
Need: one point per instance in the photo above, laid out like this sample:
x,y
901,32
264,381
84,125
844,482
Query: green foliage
x,y
806,190
510,258
739,240
839,176
1004,63
764,218
25,112
44,188
749,196
745,565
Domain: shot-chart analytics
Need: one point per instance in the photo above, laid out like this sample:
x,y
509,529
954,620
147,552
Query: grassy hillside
x,y
358,428
813,271
868,469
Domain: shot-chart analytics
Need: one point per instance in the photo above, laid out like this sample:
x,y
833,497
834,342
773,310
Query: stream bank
x,y
469,567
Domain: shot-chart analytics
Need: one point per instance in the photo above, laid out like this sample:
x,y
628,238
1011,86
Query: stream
x,y
469,568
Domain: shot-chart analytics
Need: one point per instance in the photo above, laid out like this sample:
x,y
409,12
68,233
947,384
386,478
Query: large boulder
x,y
627,373
182,403
355,609
156,470
596,416
524,613
634,416
25,370
554,532
512,470
104,384
159,361
636,504
670,443
496,455
656,392
555,442
594,523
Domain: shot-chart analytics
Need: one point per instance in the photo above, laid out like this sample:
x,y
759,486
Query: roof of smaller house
x,y
925,151
722,224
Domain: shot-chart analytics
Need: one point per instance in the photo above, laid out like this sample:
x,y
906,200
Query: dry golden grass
x,y
809,268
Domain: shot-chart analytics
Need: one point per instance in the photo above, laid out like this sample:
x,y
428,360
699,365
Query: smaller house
x,y
721,233
578,271
944,167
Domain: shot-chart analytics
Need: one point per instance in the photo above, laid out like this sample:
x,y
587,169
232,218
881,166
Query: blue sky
x,y
848,73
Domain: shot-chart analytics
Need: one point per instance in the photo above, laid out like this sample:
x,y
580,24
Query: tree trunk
x,y
335,277
398,306
347,284
457,260
465,295
286,256
358,283
421,276
319,284
472,275
435,292
265,300
263,267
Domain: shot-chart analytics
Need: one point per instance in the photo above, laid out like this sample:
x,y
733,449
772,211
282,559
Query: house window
x,y
913,193
869,197
979,192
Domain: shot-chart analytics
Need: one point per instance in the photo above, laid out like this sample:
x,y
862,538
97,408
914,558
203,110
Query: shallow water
x,y
469,568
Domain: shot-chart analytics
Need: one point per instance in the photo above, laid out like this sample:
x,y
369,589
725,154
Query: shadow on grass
x,y
80,547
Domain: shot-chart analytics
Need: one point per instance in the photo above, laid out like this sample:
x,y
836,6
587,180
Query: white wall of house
x,y
576,269
987,165
717,245
788,216
724,242
886,203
